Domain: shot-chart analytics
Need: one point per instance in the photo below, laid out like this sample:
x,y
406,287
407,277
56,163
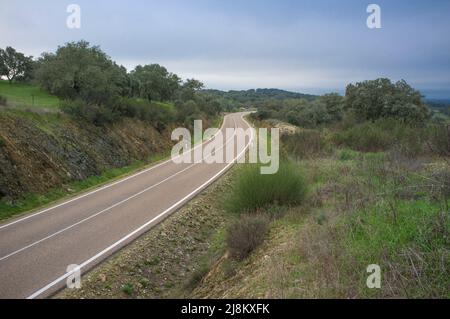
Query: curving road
x,y
36,249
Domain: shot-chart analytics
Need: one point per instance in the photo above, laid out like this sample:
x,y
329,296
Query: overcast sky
x,y
311,46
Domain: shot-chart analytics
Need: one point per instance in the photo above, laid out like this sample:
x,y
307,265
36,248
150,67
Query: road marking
x,y
136,231
112,206
110,185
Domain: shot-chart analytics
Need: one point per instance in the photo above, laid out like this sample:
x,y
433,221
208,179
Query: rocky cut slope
x,y
42,151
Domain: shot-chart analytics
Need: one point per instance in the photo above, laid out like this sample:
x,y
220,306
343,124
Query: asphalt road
x,y
36,249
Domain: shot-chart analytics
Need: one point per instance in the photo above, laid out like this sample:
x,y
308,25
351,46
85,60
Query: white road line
x,y
108,185
110,207
136,231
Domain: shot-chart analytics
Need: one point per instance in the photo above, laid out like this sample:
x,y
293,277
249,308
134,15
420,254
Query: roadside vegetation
x,y
364,178
26,96
254,190
379,193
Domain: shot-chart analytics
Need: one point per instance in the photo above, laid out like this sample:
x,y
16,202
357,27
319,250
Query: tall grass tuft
x,y
253,190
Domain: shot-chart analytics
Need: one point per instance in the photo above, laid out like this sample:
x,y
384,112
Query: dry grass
x,y
246,234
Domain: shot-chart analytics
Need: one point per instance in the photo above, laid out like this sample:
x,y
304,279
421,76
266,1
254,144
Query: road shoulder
x,y
162,262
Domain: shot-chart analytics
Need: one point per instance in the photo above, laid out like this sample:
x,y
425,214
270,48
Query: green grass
x,y
347,154
25,95
33,201
166,105
390,220
402,238
128,289
364,208
254,190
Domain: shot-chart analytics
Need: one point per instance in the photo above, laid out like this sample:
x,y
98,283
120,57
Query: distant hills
x,y
440,105
254,96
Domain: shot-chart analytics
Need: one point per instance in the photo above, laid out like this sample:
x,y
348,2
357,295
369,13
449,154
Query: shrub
x,y
365,137
144,110
304,144
254,190
3,100
95,114
246,234
439,140
382,135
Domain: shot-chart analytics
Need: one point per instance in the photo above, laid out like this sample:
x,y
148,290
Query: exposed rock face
x,y
39,152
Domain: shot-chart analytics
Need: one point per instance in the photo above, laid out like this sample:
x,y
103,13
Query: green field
x,y
25,95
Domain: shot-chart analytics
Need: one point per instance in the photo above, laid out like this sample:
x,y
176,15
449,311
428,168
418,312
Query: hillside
x,y
52,154
24,95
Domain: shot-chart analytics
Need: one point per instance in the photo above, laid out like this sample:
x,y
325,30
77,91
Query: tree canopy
x,y
80,71
15,65
371,100
154,83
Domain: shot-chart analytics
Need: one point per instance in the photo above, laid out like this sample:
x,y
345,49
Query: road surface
x,y
36,249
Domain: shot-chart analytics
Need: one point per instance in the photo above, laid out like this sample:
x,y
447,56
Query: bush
x,y
439,140
254,190
382,135
95,114
304,144
3,100
365,137
144,110
246,234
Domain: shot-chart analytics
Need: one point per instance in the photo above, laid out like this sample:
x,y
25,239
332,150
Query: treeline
x,y
254,97
94,87
363,101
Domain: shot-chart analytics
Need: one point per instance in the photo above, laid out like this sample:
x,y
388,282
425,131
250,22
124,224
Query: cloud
x,y
314,45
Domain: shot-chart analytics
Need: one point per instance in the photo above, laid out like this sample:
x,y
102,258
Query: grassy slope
x,y
364,208
21,95
321,249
